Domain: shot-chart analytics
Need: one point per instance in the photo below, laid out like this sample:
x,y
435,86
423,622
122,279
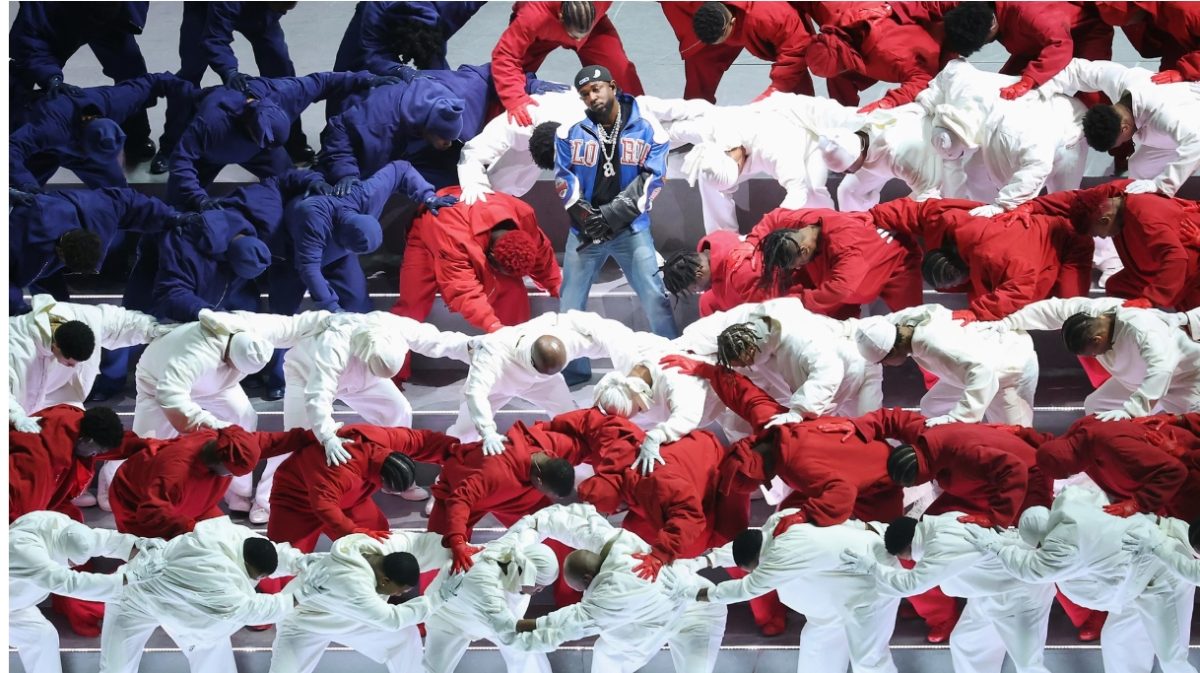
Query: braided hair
x,y
778,252
578,17
737,342
679,272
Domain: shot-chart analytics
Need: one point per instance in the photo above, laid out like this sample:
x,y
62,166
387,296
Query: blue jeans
x,y
634,253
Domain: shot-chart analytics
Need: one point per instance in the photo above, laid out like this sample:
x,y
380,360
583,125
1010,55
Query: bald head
x,y
549,354
580,567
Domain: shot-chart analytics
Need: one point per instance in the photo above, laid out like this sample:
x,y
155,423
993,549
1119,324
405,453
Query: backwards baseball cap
x,y
592,73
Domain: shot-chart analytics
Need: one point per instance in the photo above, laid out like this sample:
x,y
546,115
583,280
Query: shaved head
x,y
549,354
580,567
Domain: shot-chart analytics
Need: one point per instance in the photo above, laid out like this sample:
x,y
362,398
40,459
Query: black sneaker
x,y
137,151
302,155
160,163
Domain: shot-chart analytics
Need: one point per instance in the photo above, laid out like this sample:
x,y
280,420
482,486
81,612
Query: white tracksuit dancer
x,y
345,608
1011,149
1000,614
1166,117
36,379
202,596
502,368
1079,547
982,376
898,142
1153,363
41,548
633,617
1160,541
848,621
189,379
485,602
353,359
780,136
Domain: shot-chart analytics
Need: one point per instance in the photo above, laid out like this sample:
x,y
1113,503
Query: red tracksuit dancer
x,y
839,261
724,269
1010,261
311,497
772,31
537,28
49,469
677,508
1169,31
861,43
1156,237
476,256
166,488
1154,470
703,64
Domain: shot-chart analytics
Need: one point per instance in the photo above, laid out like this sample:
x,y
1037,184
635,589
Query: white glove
x,y
1140,542
144,568
1141,187
493,444
1113,415
1171,318
996,327
857,564
216,424
786,417
161,330
473,193
335,450
693,564
648,455
985,540
939,420
987,211
149,544
29,424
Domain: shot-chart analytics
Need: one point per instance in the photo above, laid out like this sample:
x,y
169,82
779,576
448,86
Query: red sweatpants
x,y
934,606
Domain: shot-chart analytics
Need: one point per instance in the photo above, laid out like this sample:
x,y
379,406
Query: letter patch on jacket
x,y
634,151
583,152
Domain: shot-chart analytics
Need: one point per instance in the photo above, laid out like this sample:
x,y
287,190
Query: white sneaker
x,y
413,494
259,514
429,508
237,503
84,500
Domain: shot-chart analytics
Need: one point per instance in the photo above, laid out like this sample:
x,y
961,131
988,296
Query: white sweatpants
x,y
1013,403
1015,622
299,650
694,644
858,639
36,640
1156,623
446,643
550,394
230,405
1182,397
123,639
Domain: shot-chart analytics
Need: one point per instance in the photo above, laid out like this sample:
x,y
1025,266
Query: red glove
x,y
520,113
1167,77
881,104
964,316
977,519
770,90
1017,90
789,521
1189,233
689,366
380,535
1123,509
1155,422
846,427
494,326
650,565
461,553
1140,302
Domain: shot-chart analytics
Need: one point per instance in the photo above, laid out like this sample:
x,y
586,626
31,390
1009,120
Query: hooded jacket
x,y
44,36
193,273
216,136
776,33
735,270
165,488
42,547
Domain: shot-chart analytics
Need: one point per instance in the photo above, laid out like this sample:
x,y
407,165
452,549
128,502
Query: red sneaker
x,y
940,633
774,627
1090,629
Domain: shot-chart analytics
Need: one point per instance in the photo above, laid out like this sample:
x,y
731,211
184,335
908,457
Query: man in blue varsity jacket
x,y
609,168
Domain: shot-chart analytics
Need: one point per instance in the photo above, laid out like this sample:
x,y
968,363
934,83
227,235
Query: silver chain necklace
x,y
610,143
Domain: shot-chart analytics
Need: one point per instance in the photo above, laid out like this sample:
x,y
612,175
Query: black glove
x,y
238,82
344,185
383,80
55,85
619,213
186,220
406,73
596,227
580,212
21,197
